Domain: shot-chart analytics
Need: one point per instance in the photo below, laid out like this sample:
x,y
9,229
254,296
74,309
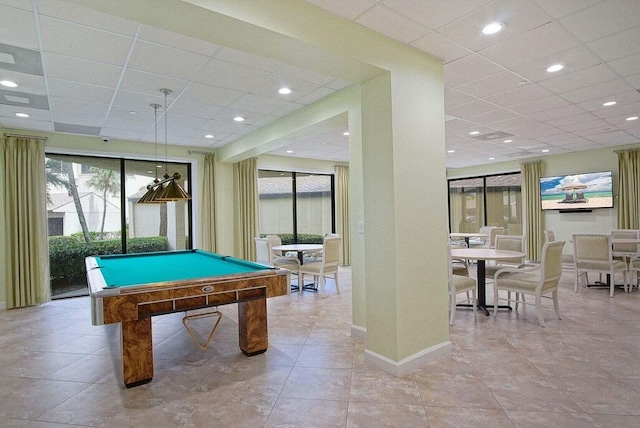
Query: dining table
x,y
481,255
301,249
468,235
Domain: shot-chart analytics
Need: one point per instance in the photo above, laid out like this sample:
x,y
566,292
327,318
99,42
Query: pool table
x,y
131,288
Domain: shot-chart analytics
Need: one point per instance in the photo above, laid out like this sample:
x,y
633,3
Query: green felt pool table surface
x,y
121,270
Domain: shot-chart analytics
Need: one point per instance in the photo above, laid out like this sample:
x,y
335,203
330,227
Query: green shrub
x,y
303,238
67,253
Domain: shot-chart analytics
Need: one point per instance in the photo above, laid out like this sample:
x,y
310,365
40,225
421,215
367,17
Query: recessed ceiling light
x,y
208,136
493,28
239,119
451,151
609,103
22,115
158,166
522,83
545,150
8,83
133,112
632,118
289,151
555,67
345,133
284,91
149,172
474,132
508,141
491,158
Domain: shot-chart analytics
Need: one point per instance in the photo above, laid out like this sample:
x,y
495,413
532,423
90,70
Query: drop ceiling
x,y
84,72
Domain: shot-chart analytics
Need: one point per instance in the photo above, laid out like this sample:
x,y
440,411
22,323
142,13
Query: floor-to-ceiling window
x,y
493,200
92,209
300,207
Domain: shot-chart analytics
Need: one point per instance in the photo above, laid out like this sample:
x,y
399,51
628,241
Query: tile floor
x,y
57,370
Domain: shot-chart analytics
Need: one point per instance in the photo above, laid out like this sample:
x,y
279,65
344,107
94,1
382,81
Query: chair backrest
x,y
263,251
510,243
549,236
274,241
591,247
450,271
492,236
551,264
331,253
625,234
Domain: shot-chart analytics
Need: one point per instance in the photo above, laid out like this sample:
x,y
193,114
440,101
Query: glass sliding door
x,y
297,206
504,202
92,209
83,214
466,205
165,224
314,207
275,193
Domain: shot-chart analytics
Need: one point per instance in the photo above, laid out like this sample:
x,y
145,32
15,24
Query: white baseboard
x,y
416,361
358,332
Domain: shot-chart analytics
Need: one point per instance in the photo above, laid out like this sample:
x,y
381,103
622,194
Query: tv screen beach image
x,y
591,190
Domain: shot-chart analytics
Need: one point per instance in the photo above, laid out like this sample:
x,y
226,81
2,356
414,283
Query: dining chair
x,y
266,255
460,284
492,231
327,266
539,281
592,252
634,270
509,243
624,251
549,236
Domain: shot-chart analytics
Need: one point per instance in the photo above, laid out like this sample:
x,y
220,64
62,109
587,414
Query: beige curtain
x,y
25,225
629,189
533,219
342,199
245,177
208,205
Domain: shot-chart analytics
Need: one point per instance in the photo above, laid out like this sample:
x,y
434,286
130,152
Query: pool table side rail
x,y
119,304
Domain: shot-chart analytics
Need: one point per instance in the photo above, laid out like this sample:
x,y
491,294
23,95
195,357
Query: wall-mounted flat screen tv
x,y
577,191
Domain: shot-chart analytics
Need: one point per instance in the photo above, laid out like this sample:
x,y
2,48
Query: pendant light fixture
x,y
152,189
173,191
157,192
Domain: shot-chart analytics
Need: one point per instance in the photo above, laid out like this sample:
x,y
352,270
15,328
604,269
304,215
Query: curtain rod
x,y
627,150
196,152
37,137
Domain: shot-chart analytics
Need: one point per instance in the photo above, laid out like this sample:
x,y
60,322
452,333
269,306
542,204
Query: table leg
x,y
252,326
137,352
482,293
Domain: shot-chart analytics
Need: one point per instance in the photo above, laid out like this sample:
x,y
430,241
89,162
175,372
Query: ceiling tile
x,y
231,76
624,98
121,113
441,47
469,69
79,91
520,17
247,59
573,59
597,91
166,61
617,45
390,23
514,123
18,28
434,13
558,9
35,125
81,71
491,117
29,83
258,103
454,97
473,108
188,108
315,95
304,75
634,80
87,17
149,83
269,87
618,110
537,43
34,113
65,117
20,4
78,107
207,94
569,110
568,120
540,104
84,42
603,19
347,9
575,127
627,66
520,95
177,41
586,77
494,84
135,101
123,134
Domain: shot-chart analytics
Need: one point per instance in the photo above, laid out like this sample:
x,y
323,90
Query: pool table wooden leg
x,y
137,352
252,326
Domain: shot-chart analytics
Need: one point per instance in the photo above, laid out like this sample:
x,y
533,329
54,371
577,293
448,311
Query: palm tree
x,y
67,180
106,181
